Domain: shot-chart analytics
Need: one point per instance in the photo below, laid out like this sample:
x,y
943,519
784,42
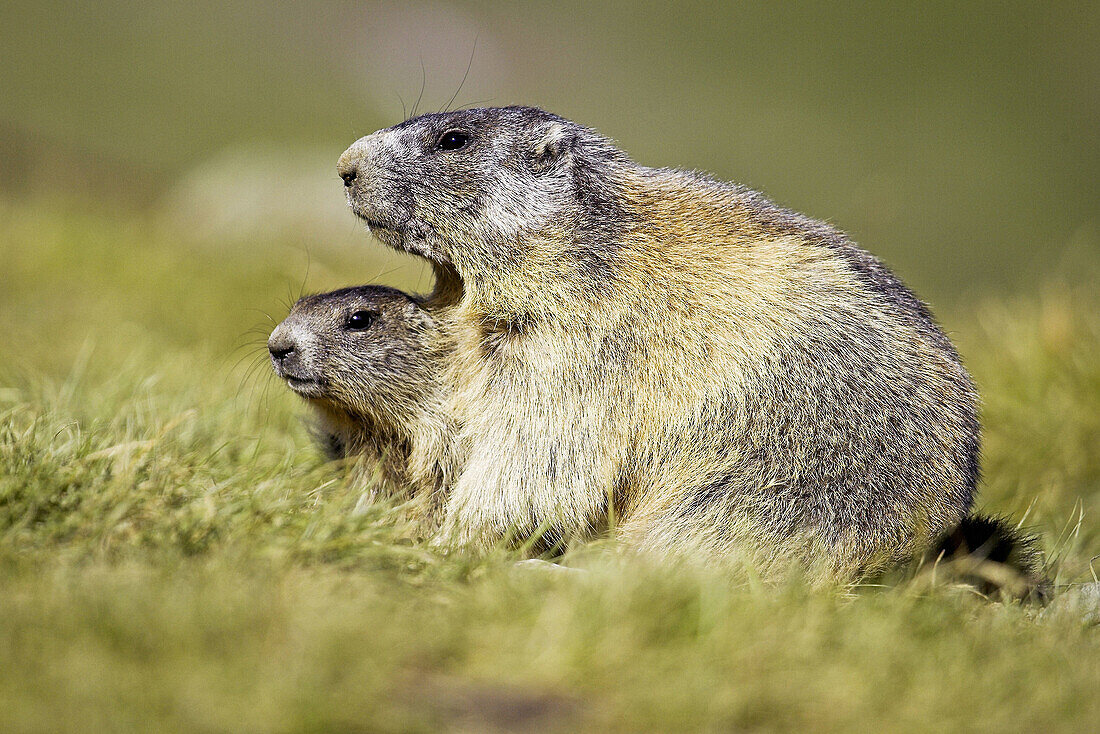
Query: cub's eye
x,y
453,140
360,320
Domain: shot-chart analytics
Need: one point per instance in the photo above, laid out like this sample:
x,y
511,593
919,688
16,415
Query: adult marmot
x,y
680,354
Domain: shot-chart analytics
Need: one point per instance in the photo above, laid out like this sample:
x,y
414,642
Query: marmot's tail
x,y
995,557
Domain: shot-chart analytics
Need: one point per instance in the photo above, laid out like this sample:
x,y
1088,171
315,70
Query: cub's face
x,y
458,187
361,350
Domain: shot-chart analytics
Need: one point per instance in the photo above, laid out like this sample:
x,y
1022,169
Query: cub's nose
x,y
281,345
278,353
349,175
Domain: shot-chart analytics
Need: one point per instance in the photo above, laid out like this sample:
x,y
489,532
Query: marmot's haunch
x,y
675,353
367,360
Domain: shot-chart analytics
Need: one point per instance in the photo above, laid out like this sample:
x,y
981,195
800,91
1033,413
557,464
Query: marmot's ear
x,y
415,314
554,144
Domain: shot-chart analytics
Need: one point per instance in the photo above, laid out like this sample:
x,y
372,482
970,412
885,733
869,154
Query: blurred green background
x,y
958,141
175,555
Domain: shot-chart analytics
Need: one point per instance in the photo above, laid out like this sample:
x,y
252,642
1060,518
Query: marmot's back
x,y
815,407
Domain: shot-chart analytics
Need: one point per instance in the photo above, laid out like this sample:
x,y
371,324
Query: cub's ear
x,y
554,145
416,315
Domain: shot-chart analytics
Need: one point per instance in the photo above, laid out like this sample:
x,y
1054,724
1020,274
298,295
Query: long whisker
x,y
309,263
447,107
423,80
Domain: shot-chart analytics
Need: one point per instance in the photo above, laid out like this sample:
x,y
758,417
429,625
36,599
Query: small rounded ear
x,y
553,145
415,314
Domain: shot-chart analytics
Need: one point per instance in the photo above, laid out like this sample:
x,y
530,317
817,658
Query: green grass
x,y
174,554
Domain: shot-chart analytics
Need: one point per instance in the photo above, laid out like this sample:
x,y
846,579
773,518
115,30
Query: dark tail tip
x,y
995,557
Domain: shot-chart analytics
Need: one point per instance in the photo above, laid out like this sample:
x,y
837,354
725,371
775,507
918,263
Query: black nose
x,y
279,352
349,177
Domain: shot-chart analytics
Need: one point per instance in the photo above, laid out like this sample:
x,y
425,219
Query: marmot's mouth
x,y
304,386
408,236
373,224
392,235
370,217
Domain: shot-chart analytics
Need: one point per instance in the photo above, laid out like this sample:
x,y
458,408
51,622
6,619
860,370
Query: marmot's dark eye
x,y
360,320
453,140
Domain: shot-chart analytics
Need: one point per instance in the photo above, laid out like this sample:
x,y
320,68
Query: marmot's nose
x,y
358,158
280,353
348,165
349,176
280,345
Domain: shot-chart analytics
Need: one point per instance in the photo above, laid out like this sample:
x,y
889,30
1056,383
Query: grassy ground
x,y
174,555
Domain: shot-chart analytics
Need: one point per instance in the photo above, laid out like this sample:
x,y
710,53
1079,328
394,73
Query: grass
x,y
175,556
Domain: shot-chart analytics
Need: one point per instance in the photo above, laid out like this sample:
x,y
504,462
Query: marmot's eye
x,y
453,140
360,320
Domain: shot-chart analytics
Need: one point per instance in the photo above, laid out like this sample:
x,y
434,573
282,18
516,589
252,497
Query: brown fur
x,y
376,388
727,378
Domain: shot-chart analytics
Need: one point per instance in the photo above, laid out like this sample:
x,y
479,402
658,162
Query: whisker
x,y
423,80
473,51
467,105
309,263
420,278
383,274
264,313
250,378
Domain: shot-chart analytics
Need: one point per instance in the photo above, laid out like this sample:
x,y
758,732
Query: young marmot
x,y
714,372
366,359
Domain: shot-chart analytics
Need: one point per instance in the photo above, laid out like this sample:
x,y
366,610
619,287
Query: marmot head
x,y
464,189
363,352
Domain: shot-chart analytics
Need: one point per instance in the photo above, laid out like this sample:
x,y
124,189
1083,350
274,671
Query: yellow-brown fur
x,y
376,390
727,378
